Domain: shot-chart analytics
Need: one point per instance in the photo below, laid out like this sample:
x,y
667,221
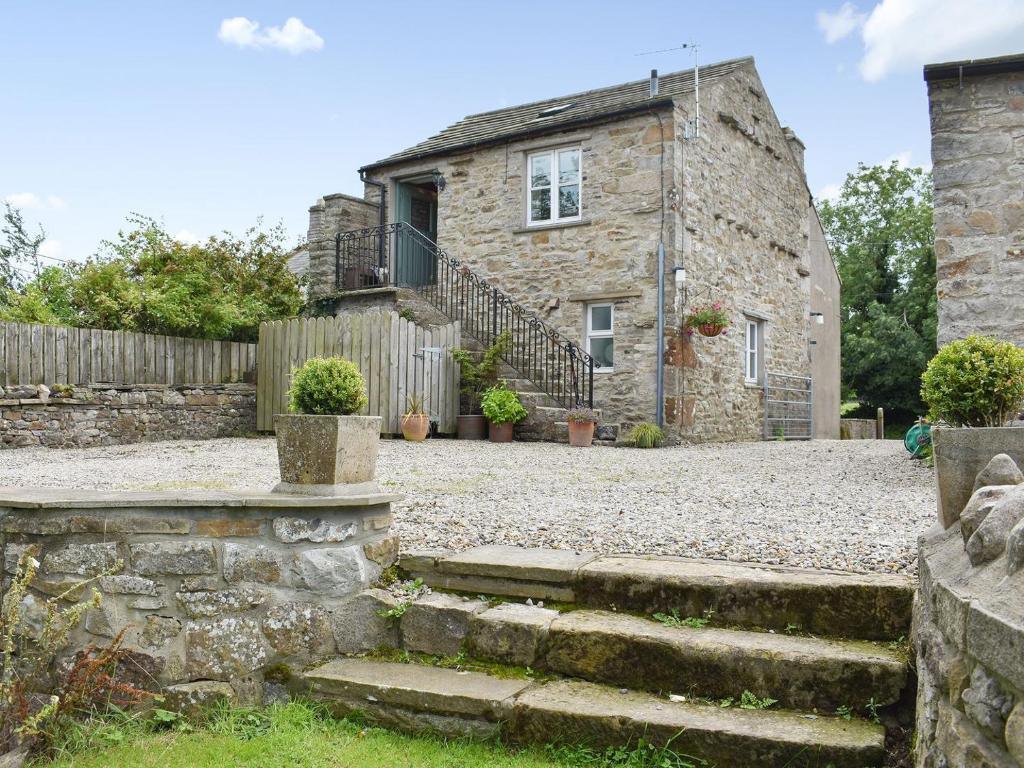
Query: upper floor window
x,y
601,336
554,186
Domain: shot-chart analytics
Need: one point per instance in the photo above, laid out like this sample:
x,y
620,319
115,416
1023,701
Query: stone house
x,y
977,122
574,208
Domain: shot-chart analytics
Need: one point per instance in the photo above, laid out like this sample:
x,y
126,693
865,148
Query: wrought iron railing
x,y
398,254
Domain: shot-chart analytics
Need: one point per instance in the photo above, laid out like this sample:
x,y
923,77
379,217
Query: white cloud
x,y
839,24
902,159
30,200
904,35
51,248
187,237
828,192
293,37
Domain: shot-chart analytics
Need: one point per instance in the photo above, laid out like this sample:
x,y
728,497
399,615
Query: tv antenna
x,y
692,126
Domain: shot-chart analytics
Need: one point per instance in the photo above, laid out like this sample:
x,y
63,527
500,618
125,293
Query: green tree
x,y
880,231
18,248
145,280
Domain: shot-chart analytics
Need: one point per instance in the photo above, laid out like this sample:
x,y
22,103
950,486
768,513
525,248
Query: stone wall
x,y
977,123
743,238
330,215
969,631
222,594
858,429
109,414
738,192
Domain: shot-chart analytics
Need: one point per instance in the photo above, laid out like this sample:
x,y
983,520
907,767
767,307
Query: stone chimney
x,y
796,146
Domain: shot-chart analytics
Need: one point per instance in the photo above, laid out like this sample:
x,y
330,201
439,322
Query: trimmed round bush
x,y
327,386
974,382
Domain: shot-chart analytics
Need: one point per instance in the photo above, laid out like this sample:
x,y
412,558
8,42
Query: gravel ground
x,y
853,505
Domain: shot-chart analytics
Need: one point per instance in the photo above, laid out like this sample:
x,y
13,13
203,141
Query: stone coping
x,y
78,498
977,608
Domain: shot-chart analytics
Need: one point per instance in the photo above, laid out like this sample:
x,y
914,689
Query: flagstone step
x,y
413,697
870,607
797,672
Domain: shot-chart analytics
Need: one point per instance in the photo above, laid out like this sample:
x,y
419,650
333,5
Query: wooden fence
x,y
47,354
396,357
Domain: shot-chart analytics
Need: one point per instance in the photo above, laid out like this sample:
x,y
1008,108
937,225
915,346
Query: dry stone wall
x,y
969,630
111,414
977,152
222,595
330,215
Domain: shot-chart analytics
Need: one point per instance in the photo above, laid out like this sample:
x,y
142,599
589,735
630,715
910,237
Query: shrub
x,y
501,406
327,385
582,416
707,315
477,377
974,382
645,435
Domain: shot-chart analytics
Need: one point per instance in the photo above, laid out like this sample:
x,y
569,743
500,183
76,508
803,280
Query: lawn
x,y
301,735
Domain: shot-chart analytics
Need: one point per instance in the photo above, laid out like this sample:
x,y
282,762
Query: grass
x,y
303,735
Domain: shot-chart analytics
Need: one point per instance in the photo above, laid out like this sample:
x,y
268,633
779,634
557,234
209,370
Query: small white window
x,y
554,193
753,345
600,336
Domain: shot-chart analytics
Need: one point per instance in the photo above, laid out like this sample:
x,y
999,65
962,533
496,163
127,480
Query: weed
x,y
642,754
792,629
673,619
872,707
750,701
844,711
645,435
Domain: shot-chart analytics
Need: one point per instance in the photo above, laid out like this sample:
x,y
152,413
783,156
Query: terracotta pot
x,y
581,433
471,427
710,330
500,433
415,426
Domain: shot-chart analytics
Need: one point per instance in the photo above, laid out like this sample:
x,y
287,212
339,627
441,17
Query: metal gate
x,y
788,407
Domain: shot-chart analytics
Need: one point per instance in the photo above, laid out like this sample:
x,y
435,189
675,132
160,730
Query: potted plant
x,y
323,448
503,410
973,388
415,422
581,427
477,376
707,320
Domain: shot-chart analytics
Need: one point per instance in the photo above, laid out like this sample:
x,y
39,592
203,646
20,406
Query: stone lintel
x,y
74,498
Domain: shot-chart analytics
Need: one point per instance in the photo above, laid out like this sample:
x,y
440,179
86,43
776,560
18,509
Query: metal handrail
x,y
368,258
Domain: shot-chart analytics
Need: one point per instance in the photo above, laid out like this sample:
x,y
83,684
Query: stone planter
x,y
471,427
581,433
960,454
415,426
500,433
327,455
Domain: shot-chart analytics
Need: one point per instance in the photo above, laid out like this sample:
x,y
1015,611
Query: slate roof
x,y
586,107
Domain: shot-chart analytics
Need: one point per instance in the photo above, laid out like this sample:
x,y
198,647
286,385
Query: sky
x,y
209,115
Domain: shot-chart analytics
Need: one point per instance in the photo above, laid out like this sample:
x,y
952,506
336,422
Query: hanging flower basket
x,y
708,320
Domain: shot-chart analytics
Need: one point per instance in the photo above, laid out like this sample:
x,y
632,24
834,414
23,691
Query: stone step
x,y
868,607
798,672
412,697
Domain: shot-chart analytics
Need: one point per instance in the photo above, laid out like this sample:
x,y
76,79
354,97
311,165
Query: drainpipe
x,y
382,216
659,409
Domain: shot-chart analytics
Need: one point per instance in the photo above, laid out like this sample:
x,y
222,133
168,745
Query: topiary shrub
x,y
645,435
327,386
502,406
974,382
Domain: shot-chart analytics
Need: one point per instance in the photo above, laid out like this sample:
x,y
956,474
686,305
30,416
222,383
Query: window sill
x,y
601,371
752,384
556,225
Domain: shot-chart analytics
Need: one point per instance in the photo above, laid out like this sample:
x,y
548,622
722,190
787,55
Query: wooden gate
x,y
396,357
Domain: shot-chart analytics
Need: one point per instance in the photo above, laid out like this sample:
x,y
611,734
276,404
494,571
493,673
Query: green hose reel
x,y
918,438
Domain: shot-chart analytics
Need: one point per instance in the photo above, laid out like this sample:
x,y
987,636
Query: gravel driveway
x,y
852,505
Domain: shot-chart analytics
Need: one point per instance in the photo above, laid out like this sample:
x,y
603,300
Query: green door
x,y
415,259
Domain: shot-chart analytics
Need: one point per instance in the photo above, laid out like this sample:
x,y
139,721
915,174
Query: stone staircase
x,y
743,665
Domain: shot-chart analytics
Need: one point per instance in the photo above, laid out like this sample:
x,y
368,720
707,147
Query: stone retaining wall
x,y
969,633
221,593
858,429
110,414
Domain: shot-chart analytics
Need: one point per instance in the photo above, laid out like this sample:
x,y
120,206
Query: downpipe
x,y
659,409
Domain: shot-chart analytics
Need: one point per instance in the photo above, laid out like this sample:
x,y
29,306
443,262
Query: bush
x,y
974,382
477,377
501,406
645,435
327,385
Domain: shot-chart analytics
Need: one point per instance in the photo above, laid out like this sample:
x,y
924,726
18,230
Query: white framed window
x,y
555,186
753,348
601,336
